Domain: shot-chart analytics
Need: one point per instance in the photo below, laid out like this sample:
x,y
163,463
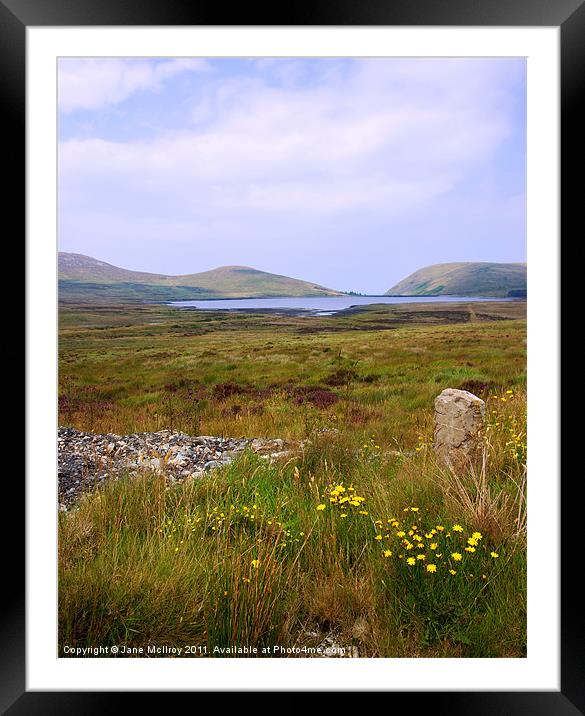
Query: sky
x,y
348,172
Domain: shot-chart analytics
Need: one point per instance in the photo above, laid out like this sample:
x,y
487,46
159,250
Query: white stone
x,y
459,424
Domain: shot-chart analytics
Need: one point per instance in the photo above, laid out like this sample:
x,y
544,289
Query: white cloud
x,y
388,136
96,83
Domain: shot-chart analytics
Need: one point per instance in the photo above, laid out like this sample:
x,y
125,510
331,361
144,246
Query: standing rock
x,y
459,422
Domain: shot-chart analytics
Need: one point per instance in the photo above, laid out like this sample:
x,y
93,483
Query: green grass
x,y
141,563
151,368
85,280
465,279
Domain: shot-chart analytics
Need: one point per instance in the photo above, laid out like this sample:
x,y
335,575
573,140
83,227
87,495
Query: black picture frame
x,y
569,15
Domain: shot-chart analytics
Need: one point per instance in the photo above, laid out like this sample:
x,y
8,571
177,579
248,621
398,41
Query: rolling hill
x,y
83,279
464,279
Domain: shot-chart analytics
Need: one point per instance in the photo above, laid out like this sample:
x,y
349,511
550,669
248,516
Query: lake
x,y
317,306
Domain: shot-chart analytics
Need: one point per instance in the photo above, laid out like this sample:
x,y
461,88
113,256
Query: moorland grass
x,y
260,553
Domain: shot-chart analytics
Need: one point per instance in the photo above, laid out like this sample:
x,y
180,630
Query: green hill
x,y
464,279
83,279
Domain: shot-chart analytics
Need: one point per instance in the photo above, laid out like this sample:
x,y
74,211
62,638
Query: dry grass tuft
x,y
495,508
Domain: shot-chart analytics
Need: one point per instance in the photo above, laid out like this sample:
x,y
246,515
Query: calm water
x,y
321,306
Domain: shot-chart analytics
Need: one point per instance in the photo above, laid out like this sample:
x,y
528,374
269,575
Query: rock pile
x,y
87,459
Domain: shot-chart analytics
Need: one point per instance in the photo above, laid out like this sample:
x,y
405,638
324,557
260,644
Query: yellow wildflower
x,y
456,556
431,567
321,506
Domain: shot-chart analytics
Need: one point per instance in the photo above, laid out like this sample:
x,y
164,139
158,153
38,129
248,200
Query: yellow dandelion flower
x,y
457,528
495,555
343,514
452,571
321,506
457,556
411,561
420,556
431,567
255,563
470,549
433,545
378,537
387,553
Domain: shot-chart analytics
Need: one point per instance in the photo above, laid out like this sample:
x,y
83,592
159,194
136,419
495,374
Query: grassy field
x,y
275,554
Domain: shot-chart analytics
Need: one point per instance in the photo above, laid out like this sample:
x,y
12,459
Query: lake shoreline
x,y
326,310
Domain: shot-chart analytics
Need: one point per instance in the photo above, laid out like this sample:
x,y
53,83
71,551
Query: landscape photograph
x,y
292,364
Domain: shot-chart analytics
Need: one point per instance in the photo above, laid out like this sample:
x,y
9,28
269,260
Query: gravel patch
x,y
88,459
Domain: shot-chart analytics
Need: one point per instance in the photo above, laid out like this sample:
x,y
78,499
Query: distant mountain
x,y
83,279
464,279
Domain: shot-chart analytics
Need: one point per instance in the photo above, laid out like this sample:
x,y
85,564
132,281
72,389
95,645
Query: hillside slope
x,y
83,278
464,279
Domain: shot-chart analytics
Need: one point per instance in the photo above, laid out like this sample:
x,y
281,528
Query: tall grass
x,y
244,556
261,554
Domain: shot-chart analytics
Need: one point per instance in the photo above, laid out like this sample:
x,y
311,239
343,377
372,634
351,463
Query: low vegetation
x,y
470,278
362,537
83,279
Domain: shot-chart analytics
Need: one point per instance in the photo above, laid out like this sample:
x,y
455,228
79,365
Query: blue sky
x,y
348,172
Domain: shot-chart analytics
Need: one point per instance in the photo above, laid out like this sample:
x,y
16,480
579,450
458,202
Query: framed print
x,y
307,415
